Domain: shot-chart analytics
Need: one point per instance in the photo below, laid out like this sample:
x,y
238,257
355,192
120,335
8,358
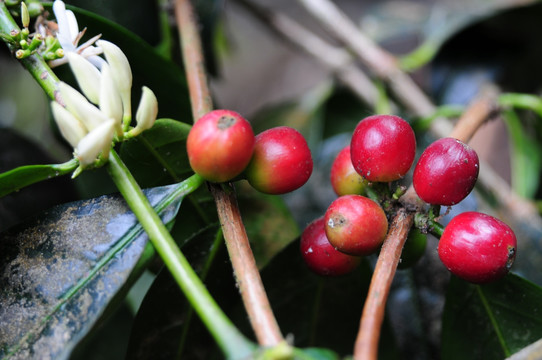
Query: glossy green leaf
x,y
60,271
23,176
319,311
175,324
268,222
315,354
158,156
526,157
490,321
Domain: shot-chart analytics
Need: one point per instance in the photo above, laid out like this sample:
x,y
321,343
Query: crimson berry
x,y
281,161
383,148
446,172
220,145
355,225
344,178
320,256
477,247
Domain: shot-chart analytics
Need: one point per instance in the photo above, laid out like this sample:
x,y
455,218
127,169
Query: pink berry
x,y
446,172
477,247
220,145
281,162
320,256
355,225
344,178
383,148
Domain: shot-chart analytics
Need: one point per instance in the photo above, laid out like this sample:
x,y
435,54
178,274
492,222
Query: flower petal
x,y
95,142
110,101
70,127
64,35
120,70
87,75
146,111
79,106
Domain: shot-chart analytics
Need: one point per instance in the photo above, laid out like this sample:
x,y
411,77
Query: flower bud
x,y
110,101
25,16
146,111
95,142
87,75
78,105
70,127
120,70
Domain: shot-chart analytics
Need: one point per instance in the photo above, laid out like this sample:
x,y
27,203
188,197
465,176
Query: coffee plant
x,y
356,220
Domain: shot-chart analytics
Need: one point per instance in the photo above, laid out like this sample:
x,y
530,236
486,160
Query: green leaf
x,y
61,270
172,325
490,321
268,222
23,176
158,156
315,354
526,157
319,311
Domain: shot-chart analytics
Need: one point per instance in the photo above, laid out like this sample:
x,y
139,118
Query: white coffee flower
x,y
79,106
96,142
146,112
70,127
120,72
68,36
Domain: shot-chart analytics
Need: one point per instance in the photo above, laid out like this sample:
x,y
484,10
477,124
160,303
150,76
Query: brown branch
x,y
335,59
246,272
366,346
477,113
194,63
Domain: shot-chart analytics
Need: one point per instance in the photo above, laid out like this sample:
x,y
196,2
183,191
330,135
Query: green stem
x,y
35,64
496,327
231,341
522,101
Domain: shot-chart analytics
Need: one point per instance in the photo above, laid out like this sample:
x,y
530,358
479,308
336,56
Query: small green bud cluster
x,y
21,39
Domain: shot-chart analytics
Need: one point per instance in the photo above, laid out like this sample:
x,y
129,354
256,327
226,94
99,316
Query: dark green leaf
x,y
158,156
143,22
490,321
23,176
315,354
269,223
61,270
175,323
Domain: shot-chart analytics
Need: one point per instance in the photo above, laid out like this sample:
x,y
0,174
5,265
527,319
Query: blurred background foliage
x,y
454,49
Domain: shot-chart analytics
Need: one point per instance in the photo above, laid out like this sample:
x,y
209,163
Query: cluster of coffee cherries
x,y
474,246
222,147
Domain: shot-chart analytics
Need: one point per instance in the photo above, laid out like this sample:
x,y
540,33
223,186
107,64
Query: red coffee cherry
x,y
383,148
344,178
477,247
281,161
446,172
320,256
355,225
220,145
